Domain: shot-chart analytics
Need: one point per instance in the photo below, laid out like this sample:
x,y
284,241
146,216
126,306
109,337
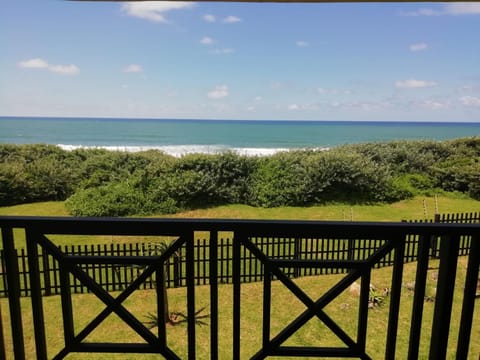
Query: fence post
x,y
297,255
351,249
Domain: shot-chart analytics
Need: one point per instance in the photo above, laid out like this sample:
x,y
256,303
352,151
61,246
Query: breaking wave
x,y
180,150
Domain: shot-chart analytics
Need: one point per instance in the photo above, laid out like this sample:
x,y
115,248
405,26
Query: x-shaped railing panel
x,y
70,264
358,269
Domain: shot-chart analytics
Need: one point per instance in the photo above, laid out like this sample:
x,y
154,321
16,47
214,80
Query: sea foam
x,y
181,150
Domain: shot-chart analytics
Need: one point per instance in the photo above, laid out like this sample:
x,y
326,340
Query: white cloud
x,y
301,43
434,104
472,8
64,69
258,98
154,10
209,18
231,19
132,68
293,107
219,92
36,63
413,84
418,47
470,101
207,40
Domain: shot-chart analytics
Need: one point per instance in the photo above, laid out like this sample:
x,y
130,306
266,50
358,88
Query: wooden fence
x,y
117,277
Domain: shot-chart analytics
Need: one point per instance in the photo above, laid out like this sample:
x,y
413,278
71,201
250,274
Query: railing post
x,y
2,338
444,296
36,295
213,280
13,282
469,299
190,271
419,296
395,297
237,238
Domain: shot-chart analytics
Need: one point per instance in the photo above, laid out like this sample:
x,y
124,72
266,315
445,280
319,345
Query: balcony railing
x,y
389,240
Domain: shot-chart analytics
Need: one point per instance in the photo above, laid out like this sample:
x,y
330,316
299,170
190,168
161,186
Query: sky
x,y
386,62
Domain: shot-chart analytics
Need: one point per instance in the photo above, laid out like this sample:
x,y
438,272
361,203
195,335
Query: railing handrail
x,y
291,228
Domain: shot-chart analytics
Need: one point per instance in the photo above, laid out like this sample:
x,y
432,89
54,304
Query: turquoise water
x,y
208,136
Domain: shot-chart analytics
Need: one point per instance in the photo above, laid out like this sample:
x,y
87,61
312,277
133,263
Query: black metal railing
x,y
389,238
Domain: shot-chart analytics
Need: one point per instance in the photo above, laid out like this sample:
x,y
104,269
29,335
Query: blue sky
x,y
396,61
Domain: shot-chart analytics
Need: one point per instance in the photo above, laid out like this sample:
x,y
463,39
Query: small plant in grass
x,y
374,299
177,318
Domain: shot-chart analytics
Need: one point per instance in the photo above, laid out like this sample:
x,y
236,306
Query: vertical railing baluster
x,y
468,306
162,306
3,354
67,310
419,296
395,297
444,296
36,295
237,239
213,280
267,299
190,270
24,273
13,282
363,312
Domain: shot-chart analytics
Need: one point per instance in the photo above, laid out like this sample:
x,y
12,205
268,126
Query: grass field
x,y
406,209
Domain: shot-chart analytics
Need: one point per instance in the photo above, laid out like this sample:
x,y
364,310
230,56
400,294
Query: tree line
x,y
97,182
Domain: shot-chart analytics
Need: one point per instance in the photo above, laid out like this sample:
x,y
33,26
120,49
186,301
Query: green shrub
x,y
100,182
201,180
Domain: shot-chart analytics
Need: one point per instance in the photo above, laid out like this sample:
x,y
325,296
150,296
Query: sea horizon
x,y
178,137
300,121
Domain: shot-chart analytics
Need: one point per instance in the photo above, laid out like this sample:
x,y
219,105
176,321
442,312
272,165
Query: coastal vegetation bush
x,y
98,182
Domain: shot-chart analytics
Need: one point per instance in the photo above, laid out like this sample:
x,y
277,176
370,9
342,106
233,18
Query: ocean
x,y
179,137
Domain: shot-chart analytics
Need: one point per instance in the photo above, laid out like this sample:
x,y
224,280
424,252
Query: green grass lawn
x,y
406,209
285,307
